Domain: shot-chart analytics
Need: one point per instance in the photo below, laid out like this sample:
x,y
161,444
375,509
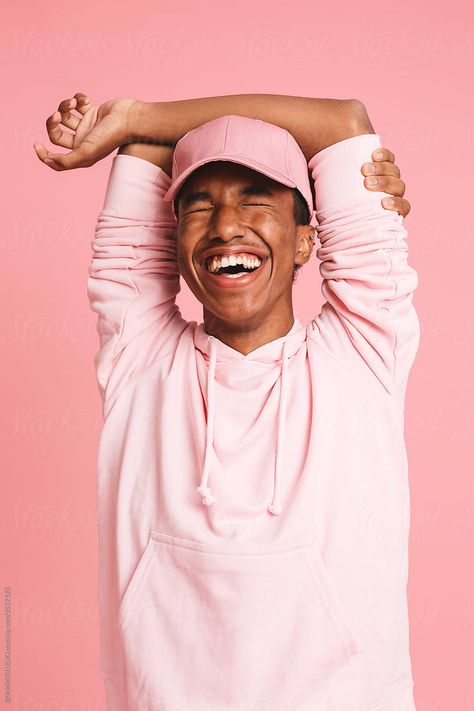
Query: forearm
x,y
133,274
314,123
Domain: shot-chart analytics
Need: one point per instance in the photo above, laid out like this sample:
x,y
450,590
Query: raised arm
x,y
133,275
368,321
314,123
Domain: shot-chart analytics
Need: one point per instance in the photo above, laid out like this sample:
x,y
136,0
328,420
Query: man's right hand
x,y
96,133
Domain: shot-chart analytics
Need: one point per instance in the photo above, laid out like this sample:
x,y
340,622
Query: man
x,y
253,492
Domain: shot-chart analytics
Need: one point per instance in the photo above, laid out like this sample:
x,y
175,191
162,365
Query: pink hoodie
x,y
227,606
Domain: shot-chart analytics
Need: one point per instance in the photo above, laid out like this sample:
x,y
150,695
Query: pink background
x,y
412,67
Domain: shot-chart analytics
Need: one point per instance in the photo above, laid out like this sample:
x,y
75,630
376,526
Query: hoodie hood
x,y
277,352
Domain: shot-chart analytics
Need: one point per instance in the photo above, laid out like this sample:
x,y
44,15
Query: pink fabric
x,y
228,607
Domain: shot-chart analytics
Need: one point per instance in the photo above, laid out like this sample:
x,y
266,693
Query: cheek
x,y
181,257
283,245
272,230
184,244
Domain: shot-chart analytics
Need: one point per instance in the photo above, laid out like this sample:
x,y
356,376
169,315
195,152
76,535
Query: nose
x,y
225,223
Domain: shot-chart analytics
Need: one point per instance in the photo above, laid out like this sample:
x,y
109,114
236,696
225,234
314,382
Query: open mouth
x,y
233,265
241,273
235,270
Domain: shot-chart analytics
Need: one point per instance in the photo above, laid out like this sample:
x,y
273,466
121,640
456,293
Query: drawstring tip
x,y
207,497
275,509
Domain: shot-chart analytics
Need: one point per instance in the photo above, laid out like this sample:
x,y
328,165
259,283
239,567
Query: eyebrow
x,y
258,190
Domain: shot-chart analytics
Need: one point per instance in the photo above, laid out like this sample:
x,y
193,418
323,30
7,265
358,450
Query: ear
x,y
304,243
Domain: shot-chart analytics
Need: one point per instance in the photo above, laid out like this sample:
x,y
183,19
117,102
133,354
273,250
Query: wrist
x,y
133,120
147,124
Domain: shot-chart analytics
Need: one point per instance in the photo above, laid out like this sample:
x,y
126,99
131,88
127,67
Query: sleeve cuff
x,y
135,190
336,171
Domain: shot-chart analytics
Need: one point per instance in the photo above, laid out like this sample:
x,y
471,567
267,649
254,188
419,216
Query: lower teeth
x,y
235,276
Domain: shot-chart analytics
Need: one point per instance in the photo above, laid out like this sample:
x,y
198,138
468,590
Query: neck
x,y
246,337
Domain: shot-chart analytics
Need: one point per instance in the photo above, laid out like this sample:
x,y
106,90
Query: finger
x,y
68,119
383,154
40,151
66,161
56,135
397,204
83,103
43,154
380,168
387,184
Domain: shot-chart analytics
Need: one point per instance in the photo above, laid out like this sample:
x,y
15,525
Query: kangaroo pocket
x,y
247,627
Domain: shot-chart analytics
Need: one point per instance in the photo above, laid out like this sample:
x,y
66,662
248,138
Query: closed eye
x,y
245,204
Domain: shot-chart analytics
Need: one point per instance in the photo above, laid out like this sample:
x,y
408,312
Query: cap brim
x,y
254,165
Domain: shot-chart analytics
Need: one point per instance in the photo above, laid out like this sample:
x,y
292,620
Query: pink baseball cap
x,y
261,146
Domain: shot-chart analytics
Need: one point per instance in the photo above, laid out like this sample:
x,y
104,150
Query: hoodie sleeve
x,y
133,275
368,320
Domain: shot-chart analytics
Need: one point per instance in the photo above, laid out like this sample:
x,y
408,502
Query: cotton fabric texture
x,y
229,607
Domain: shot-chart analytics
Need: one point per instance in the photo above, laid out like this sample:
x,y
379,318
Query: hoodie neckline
x,y
214,351
266,352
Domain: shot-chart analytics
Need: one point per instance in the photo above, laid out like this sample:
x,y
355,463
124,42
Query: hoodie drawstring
x,y
275,507
208,498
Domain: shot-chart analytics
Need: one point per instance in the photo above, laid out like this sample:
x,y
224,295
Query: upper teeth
x,y
216,263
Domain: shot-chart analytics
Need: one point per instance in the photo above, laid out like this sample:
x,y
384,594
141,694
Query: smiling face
x,y
225,208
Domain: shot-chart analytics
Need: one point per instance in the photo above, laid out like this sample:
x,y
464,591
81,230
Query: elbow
x,y
349,120
358,118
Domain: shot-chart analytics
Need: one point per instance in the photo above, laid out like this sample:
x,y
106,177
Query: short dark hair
x,y
300,208
176,205
301,216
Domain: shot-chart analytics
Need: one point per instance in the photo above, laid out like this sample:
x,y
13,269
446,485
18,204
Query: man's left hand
x,y
388,180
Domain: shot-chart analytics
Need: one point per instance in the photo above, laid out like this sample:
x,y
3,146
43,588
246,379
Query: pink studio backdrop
x,y
412,67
